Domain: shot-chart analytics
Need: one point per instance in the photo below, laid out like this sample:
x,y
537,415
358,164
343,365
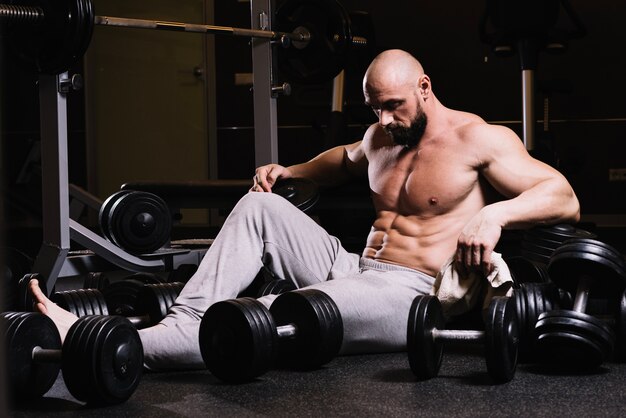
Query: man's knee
x,y
262,204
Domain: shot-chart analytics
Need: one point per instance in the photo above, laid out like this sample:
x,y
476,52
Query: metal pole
x,y
55,192
265,113
528,108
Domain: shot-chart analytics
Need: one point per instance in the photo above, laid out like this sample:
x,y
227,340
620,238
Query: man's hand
x,y
476,243
266,176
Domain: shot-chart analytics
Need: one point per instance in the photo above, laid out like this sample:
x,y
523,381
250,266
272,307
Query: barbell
x,y
54,34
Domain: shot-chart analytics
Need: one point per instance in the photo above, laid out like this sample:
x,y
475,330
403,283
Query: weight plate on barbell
x,y
60,40
324,55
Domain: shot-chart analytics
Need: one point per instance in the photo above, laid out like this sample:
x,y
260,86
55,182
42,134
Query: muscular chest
x,y
432,181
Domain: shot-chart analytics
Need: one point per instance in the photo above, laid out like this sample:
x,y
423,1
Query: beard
x,y
408,136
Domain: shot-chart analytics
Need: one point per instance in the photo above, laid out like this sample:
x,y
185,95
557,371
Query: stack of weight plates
x,y
539,243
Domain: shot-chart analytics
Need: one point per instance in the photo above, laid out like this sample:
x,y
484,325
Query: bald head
x,y
392,69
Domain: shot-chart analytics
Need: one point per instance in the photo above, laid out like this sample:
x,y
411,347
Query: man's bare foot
x,y
61,318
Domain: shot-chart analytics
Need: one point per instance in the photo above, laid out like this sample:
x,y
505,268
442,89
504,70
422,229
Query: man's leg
x,y
263,229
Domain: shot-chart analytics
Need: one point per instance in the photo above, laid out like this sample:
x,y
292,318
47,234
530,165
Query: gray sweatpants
x,y
374,298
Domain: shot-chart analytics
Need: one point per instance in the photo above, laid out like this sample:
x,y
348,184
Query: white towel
x,y
460,292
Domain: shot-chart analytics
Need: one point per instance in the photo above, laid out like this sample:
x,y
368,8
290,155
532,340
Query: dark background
x,y
588,114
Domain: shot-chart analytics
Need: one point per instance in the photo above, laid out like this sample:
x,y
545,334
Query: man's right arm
x,y
330,168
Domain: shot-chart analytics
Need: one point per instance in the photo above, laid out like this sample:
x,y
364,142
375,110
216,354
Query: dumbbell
x,y
531,300
427,335
152,302
101,358
574,338
139,222
241,339
276,287
96,280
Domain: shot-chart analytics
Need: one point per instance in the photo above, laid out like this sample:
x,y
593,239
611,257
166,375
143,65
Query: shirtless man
x,y
444,183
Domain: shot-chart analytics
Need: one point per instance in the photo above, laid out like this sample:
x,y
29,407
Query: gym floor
x,y
364,385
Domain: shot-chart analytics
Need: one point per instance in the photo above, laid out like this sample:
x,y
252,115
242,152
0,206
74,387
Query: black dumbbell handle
x,y
46,355
582,294
287,331
453,335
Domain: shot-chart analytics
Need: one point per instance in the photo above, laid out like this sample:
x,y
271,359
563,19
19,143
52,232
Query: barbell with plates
x,y
241,339
426,336
574,338
101,357
54,34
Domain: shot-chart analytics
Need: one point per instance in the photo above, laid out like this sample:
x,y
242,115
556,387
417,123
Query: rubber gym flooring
x,y
363,386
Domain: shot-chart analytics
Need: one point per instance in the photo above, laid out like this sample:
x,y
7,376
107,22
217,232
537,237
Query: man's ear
x,y
423,85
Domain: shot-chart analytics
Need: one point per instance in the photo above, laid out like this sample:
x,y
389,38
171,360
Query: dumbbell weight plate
x,y
524,270
319,325
537,249
155,300
102,359
561,232
122,296
501,339
302,193
425,354
105,212
276,287
620,330
237,345
26,300
23,332
140,222
96,280
573,339
82,302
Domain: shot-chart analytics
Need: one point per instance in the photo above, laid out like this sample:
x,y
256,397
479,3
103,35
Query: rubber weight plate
x,y
501,339
237,345
56,44
23,332
102,360
573,340
302,193
319,328
425,354
140,222
324,56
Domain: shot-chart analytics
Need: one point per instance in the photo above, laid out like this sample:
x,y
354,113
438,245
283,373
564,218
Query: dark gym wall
x,y
589,126
589,116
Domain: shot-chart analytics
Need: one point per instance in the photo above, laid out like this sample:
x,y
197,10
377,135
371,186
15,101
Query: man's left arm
x,y
535,194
